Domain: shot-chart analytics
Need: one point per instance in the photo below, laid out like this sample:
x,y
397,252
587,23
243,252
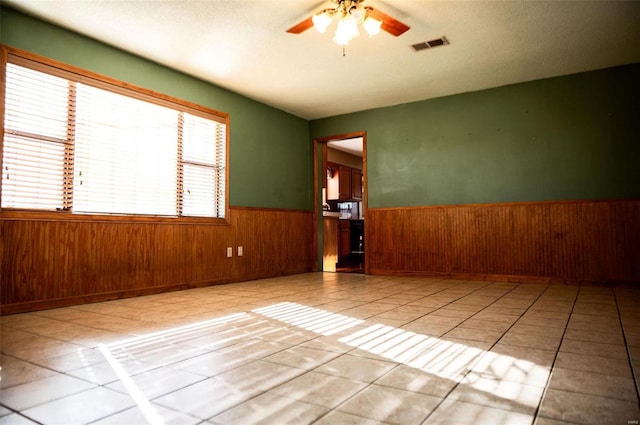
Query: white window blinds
x,y
126,155
36,140
203,166
75,147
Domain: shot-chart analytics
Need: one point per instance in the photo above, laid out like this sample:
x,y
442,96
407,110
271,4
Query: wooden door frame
x,y
317,190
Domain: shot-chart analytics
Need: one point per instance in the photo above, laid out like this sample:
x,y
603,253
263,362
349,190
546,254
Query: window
x,y
78,144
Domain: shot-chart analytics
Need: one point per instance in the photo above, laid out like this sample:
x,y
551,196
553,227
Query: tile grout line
x,y
555,357
17,412
626,346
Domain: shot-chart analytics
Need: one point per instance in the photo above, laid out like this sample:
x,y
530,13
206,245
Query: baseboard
x,y
501,278
29,306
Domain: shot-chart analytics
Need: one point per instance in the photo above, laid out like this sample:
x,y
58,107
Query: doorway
x,y
340,202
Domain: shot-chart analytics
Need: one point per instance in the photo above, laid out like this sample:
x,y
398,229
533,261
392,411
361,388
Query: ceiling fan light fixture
x,y
371,26
321,21
350,15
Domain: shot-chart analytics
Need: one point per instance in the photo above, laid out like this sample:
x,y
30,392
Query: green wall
x,y
270,153
571,137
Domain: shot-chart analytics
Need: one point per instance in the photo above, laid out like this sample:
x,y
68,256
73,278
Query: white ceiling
x,y
352,146
242,45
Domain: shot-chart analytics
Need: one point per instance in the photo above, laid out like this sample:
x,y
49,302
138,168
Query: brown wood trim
x,y
66,216
502,204
20,215
499,278
365,201
85,299
269,209
317,190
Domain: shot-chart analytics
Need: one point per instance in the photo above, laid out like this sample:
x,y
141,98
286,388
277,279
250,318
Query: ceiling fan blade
x,y
302,26
389,24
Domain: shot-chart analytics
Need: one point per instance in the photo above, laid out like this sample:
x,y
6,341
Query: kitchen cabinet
x,y
356,184
343,183
344,241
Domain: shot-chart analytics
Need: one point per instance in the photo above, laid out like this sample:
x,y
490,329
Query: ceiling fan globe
x,y
347,30
321,21
371,26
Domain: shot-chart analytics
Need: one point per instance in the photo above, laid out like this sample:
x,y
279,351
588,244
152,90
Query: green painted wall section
x,y
570,137
270,156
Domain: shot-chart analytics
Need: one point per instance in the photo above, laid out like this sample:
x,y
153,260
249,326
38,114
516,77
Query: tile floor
x,y
330,349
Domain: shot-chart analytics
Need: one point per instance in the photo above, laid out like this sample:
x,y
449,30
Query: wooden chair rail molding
x,y
49,264
559,241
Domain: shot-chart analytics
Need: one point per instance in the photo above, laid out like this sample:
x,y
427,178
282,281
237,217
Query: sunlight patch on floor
x,y
486,374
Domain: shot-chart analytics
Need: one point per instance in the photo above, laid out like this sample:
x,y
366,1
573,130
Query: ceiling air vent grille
x,y
430,44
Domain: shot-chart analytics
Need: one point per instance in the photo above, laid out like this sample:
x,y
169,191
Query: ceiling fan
x,y
350,13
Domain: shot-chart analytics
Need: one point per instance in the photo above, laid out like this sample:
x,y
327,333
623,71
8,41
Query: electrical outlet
x,y
229,251
240,251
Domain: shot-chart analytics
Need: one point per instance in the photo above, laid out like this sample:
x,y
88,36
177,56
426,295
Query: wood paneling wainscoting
x,y
50,263
569,241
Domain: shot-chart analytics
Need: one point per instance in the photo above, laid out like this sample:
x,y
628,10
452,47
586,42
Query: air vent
x,y
430,44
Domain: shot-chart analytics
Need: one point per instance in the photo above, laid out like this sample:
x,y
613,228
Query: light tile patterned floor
x,y
330,349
